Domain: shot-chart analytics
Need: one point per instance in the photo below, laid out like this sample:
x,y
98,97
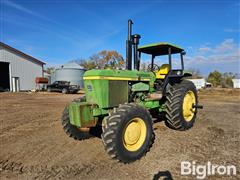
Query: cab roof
x,y
161,48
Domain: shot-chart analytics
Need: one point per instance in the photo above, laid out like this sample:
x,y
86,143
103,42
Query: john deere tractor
x,y
122,102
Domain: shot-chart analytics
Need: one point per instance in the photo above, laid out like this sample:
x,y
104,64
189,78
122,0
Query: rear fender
x,y
172,79
187,74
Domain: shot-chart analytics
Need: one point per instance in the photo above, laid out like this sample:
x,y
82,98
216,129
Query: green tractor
x,y
122,103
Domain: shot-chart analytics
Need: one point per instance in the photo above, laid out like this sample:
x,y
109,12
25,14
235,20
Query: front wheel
x,y
128,133
73,131
180,110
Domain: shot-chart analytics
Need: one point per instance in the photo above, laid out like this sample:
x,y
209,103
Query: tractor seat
x,y
163,71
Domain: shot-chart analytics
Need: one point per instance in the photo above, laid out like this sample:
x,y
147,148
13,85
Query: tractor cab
x,y
161,49
164,74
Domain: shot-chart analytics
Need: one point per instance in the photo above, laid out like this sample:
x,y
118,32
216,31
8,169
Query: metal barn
x,y
18,70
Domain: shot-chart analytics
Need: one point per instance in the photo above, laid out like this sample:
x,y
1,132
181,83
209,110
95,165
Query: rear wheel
x,y
73,131
128,133
180,111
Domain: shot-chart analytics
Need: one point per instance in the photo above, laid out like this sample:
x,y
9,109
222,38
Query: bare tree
x,y
50,70
195,73
108,59
143,66
102,60
86,64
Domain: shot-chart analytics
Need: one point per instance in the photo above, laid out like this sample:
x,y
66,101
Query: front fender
x,y
81,114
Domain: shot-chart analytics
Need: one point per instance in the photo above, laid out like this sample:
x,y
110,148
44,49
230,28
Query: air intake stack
x,y
136,38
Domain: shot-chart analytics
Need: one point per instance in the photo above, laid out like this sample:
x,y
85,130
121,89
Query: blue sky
x,y
59,31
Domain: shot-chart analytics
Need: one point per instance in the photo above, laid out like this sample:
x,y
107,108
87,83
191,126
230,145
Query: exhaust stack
x,y
132,44
129,46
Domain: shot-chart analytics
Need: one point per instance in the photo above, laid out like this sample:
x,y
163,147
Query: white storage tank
x,y
236,83
199,83
71,72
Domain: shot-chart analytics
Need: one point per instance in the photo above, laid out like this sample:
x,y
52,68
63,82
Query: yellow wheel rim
x,y
134,134
188,102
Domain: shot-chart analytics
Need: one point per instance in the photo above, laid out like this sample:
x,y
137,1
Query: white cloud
x,y
227,51
226,46
231,30
25,10
81,39
204,49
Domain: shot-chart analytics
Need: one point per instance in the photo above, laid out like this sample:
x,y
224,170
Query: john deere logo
x,y
89,87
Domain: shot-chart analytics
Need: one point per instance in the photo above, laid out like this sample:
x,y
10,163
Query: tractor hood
x,y
110,74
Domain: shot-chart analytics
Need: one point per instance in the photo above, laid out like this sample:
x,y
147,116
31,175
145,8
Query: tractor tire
x,y
128,133
180,114
73,131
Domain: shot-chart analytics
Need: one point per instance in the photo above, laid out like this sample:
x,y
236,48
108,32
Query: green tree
x,y
227,80
215,78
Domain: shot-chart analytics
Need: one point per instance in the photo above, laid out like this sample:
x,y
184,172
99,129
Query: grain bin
x,y
71,72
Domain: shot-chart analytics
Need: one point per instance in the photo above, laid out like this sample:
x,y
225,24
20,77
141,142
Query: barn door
x,y
15,84
4,76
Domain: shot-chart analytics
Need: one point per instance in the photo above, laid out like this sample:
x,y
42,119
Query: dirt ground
x,y
34,146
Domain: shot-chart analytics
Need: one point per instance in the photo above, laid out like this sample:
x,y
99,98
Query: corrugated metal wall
x,y
75,76
21,67
71,72
236,83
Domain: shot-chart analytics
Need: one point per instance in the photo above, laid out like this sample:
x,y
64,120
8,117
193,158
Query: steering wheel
x,y
154,69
